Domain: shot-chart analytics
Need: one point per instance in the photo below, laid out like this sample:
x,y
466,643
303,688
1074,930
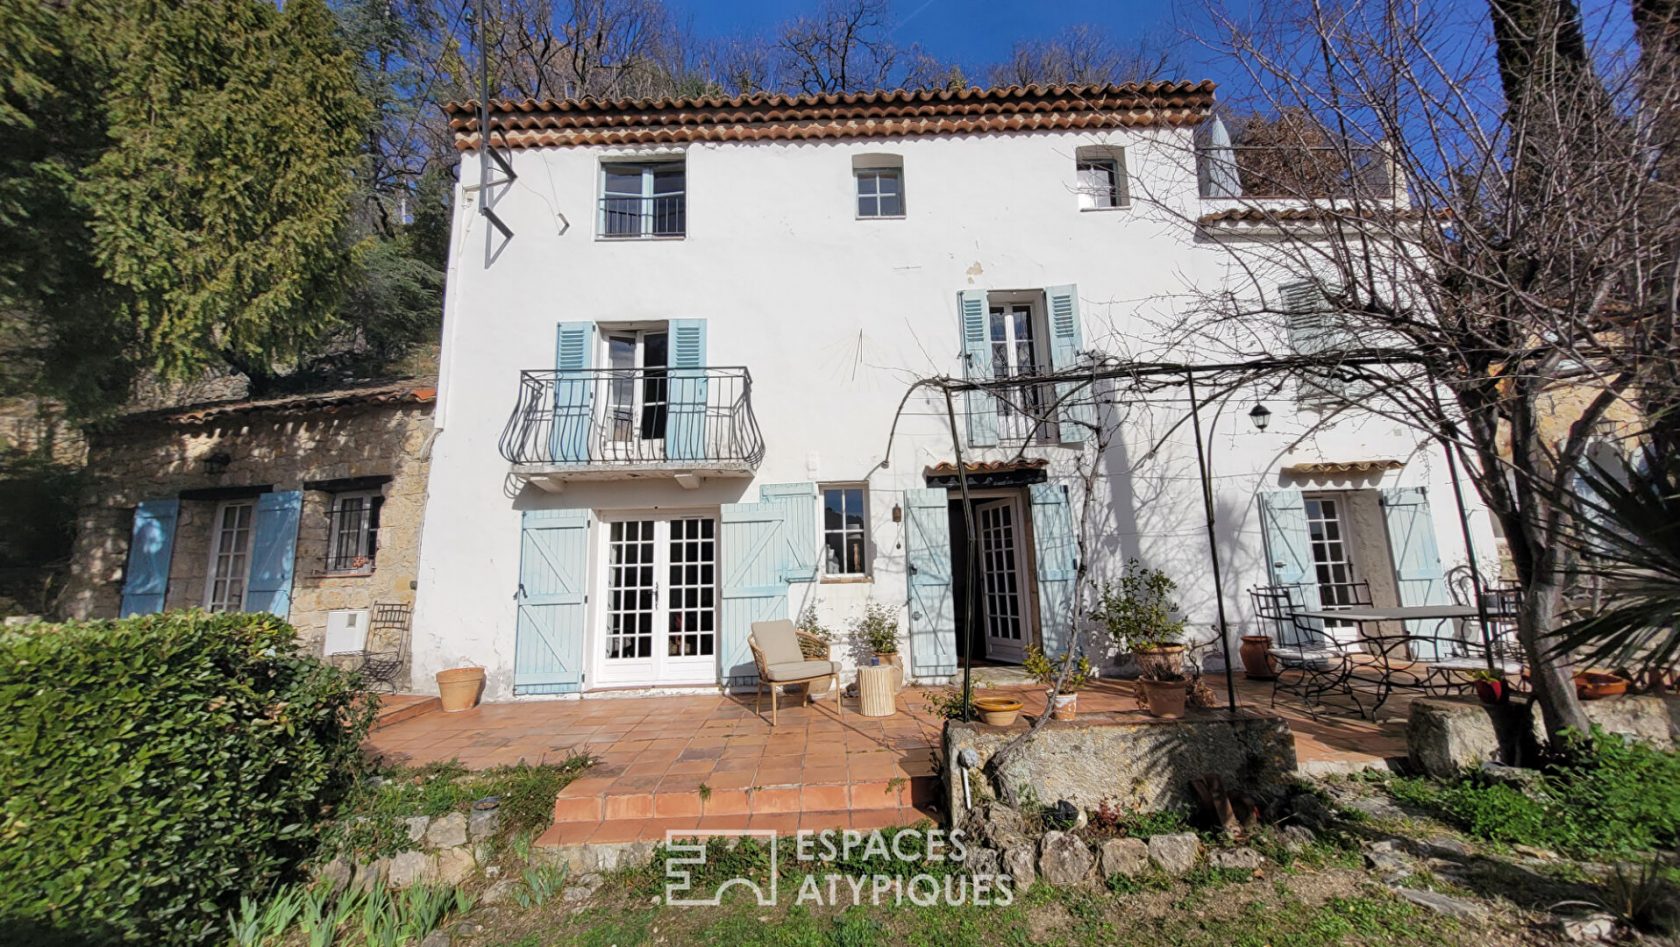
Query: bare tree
x,y
1502,271
1081,55
740,65
576,49
844,47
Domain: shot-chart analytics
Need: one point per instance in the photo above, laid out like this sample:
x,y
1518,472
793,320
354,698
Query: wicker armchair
x,y
783,655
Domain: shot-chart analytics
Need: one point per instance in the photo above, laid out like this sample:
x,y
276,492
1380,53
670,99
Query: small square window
x,y
353,531
845,532
880,192
1101,172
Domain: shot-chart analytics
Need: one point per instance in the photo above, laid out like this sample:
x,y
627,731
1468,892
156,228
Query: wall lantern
x,y
1260,416
217,464
898,513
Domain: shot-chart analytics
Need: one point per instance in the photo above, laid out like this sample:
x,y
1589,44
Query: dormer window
x,y
880,185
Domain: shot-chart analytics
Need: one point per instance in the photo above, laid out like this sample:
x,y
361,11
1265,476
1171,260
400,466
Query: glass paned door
x,y
1003,590
661,602
638,394
1022,411
1327,533
230,557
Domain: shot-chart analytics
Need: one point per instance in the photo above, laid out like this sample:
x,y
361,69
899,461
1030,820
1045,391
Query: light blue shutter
x,y
549,629
685,432
977,366
803,539
146,579
1066,341
574,392
1283,518
754,583
274,529
927,547
1417,559
1058,562
1312,331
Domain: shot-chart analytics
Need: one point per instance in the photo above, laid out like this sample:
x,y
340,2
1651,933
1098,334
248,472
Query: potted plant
x,y
1140,616
1491,687
1163,692
1256,652
1065,705
877,631
459,688
998,711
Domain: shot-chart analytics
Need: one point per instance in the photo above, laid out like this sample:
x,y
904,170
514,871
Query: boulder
x,y
994,825
436,939
1175,854
448,831
417,827
1310,811
1443,904
1296,838
983,862
454,865
1124,856
1063,858
409,869
1020,864
336,873
1444,737
483,823
1240,858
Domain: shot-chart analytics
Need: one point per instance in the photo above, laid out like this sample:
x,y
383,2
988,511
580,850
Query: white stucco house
x,y
678,342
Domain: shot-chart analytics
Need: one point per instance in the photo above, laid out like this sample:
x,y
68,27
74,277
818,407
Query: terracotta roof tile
x,y
949,469
1268,215
775,117
413,391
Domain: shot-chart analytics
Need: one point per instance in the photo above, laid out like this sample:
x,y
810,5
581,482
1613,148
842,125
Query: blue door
x,y
549,631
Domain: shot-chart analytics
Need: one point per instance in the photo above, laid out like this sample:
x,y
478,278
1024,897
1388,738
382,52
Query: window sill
x,y
885,217
666,238
1104,210
846,579
344,573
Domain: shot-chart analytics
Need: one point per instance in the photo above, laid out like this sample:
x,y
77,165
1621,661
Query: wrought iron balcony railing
x,y
678,418
630,218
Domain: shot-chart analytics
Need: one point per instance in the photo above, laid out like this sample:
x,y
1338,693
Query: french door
x,y
638,393
1003,589
1332,563
660,615
230,557
1015,354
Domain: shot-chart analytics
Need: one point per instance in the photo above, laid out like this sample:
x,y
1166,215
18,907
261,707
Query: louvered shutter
x,y
1066,342
685,432
574,392
1313,330
977,366
146,579
1057,562
754,586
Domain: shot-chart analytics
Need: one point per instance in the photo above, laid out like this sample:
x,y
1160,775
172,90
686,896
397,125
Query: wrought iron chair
x,y
1309,663
382,653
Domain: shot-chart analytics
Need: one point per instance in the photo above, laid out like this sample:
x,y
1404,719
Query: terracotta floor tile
x,y
818,821
658,830
736,779
824,774
782,823
578,809
771,775
724,821
738,764
683,782
871,819
628,806
823,798
775,800
674,805
878,795
627,830
722,801
688,767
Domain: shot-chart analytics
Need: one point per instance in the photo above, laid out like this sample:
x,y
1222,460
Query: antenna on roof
x,y
487,152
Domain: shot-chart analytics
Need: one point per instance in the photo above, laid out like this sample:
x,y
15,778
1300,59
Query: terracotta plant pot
x,y
1164,698
997,711
1066,707
1256,652
1593,685
459,688
1493,692
1168,659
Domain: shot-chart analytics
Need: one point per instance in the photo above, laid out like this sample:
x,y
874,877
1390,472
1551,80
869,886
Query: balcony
x,y
685,424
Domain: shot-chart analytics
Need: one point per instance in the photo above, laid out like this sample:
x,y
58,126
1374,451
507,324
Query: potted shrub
x,y
876,630
1065,705
1140,616
1163,692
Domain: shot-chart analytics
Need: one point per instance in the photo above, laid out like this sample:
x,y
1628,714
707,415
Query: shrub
x,y
155,769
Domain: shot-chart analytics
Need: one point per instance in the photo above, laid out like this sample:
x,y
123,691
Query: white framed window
x,y
353,531
1018,352
230,556
879,182
1101,172
638,389
845,531
644,199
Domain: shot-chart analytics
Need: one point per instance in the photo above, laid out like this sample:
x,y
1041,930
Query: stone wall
x,y
1445,736
283,450
1139,765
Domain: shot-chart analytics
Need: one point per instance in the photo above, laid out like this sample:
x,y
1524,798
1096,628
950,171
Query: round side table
x,y
875,690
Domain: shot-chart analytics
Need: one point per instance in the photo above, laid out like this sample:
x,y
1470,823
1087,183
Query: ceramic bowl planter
x,y
459,688
997,711
1594,685
1066,707
1164,698
1256,653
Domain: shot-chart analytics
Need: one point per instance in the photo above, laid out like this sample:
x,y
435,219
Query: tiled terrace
x,y
813,771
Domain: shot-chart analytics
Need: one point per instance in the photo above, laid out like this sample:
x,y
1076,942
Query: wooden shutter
x,y
550,626
802,534
1313,330
1056,554
274,530
981,406
574,392
1289,560
1417,559
754,583
1066,342
146,579
927,548
685,432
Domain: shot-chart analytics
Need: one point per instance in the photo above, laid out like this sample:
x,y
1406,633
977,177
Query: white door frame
x,y
1026,557
997,648
660,669
635,445
215,553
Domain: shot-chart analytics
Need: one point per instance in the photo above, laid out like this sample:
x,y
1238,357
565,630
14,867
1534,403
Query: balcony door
x,y
638,393
659,620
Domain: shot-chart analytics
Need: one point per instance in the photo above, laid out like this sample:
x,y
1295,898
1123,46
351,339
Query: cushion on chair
x,y
1311,659
799,670
778,641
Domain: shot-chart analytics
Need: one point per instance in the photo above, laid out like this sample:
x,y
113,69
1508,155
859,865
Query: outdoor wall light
x,y
217,464
1260,416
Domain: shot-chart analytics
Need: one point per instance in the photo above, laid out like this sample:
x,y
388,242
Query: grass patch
x,y
371,823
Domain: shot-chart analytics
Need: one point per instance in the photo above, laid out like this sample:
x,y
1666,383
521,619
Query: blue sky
x,y
970,32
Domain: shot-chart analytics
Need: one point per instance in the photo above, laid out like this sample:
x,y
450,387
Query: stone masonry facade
x,y
374,439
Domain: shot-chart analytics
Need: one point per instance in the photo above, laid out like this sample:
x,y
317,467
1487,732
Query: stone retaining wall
x,y
1446,736
1143,765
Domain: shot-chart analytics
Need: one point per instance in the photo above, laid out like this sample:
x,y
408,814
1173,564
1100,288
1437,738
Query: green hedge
x,y
154,769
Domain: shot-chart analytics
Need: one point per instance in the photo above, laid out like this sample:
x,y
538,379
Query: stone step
x,y
580,838
759,800
395,708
